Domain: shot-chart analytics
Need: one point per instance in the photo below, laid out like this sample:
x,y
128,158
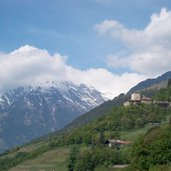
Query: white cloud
x,y
29,66
149,55
117,60
150,47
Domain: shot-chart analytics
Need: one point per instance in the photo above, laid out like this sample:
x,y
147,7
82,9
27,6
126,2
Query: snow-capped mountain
x,y
29,112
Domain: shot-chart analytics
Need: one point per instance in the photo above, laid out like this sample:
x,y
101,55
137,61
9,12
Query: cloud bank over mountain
x,y
29,65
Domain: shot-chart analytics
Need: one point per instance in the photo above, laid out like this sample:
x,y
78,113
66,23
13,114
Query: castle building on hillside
x,y
163,104
146,100
136,99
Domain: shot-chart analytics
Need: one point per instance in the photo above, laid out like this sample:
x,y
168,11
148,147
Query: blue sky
x,y
75,28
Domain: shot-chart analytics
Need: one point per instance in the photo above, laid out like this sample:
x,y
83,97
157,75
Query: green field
x,y
53,160
102,168
56,159
160,168
132,135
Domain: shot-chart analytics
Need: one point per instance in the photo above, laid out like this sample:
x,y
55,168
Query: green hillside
x,y
95,113
84,148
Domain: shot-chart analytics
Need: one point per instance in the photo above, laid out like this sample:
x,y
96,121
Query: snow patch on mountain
x,y
30,112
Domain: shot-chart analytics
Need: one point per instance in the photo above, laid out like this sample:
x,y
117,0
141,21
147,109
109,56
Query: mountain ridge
x,y
151,81
29,112
155,84
88,143
96,112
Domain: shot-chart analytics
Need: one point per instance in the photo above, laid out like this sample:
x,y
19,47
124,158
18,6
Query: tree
x,y
74,153
170,120
152,149
85,163
127,123
139,122
169,84
101,137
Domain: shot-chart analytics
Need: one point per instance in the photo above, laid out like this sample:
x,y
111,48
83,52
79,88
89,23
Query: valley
x,y
85,85
83,147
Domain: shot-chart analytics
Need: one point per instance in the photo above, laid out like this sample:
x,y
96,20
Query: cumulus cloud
x,y
150,47
31,66
148,53
117,60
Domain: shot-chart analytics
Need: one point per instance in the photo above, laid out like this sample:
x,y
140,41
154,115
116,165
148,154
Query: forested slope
x,y
146,126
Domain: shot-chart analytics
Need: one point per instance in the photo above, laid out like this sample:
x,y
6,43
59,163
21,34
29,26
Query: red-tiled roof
x,y
120,141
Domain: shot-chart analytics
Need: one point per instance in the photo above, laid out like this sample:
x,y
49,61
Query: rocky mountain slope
x,y
147,87
30,112
151,83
